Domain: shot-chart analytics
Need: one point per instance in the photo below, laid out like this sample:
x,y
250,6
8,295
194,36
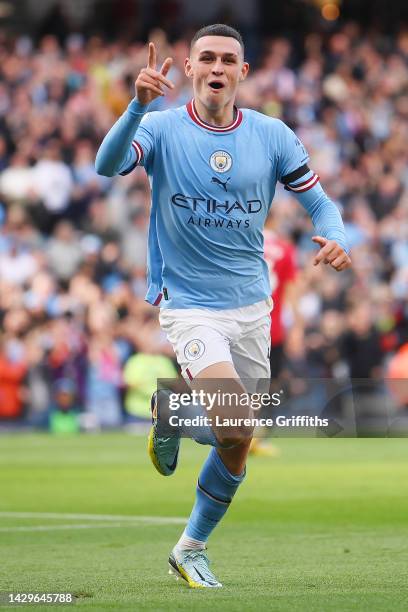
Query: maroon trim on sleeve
x,y
305,186
139,151
158,300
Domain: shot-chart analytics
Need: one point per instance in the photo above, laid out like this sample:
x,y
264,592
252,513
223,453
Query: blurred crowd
x,y
77,336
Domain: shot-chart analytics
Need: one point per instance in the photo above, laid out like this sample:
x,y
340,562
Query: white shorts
x,y
202,337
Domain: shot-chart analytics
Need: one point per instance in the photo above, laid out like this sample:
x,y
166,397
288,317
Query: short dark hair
x,y
218,29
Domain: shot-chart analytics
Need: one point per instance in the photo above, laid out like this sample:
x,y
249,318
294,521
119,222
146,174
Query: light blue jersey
x,y
212,189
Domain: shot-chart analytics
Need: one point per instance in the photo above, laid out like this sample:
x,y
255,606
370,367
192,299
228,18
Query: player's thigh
x,y
203,353
250,354
197,345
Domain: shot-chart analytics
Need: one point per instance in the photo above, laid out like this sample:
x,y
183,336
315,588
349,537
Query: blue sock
x,y
215,489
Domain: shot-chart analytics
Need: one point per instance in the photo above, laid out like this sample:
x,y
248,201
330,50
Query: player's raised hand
x,y
150,82
331,253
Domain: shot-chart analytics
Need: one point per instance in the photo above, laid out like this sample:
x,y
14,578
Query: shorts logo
x,y
221,161
194,349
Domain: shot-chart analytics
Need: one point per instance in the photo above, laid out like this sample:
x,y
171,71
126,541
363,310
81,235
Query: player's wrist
x,y
137,108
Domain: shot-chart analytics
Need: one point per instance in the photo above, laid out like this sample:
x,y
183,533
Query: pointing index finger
x,y
151,63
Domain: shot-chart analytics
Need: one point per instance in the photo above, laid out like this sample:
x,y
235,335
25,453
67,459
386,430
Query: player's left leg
x,y
260,446
218,481
224,469
251,357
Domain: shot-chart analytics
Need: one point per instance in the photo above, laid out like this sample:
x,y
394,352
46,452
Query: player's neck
x,y
220,117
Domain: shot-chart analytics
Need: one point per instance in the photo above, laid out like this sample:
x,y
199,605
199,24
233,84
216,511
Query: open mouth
x,y
216,85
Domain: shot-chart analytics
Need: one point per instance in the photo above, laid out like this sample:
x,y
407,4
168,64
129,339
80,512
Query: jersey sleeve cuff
x,y
139,157
136,108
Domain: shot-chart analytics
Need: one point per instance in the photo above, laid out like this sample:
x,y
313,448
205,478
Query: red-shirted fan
x,y
280,255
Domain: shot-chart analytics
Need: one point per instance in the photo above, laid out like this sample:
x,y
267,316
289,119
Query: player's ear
x,y
244,71
188,68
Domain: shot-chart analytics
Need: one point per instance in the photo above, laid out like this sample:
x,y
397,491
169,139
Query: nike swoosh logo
x,y
201,576
172,467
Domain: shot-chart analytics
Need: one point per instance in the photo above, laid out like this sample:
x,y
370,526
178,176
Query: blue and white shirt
x,y
212,188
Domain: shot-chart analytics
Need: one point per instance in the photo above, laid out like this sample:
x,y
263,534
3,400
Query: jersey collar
x,y
192,111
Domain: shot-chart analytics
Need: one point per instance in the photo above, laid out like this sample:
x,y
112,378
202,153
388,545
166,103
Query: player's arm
x,y
326,218
304,184
119,153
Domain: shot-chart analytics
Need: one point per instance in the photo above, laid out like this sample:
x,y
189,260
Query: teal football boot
x,y
163,450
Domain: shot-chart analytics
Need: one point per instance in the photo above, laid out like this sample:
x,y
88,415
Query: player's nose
x,y
218,68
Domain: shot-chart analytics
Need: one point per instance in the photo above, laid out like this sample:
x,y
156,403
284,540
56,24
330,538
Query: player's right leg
x,y
197,345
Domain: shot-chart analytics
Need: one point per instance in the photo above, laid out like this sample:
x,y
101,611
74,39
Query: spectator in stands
x,y
63,251
13,368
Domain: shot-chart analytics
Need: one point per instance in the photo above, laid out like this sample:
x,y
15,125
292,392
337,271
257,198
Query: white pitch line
x,y
161,520
65,527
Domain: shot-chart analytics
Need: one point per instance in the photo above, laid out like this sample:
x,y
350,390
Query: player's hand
x,y
331,253
150,82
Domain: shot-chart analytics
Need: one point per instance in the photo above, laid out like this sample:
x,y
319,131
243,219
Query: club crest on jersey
x,y
194,349
221,161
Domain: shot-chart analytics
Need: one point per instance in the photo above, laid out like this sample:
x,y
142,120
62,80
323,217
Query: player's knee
x,y
237,438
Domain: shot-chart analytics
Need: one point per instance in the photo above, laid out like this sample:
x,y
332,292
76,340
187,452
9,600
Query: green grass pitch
x,y
323,528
